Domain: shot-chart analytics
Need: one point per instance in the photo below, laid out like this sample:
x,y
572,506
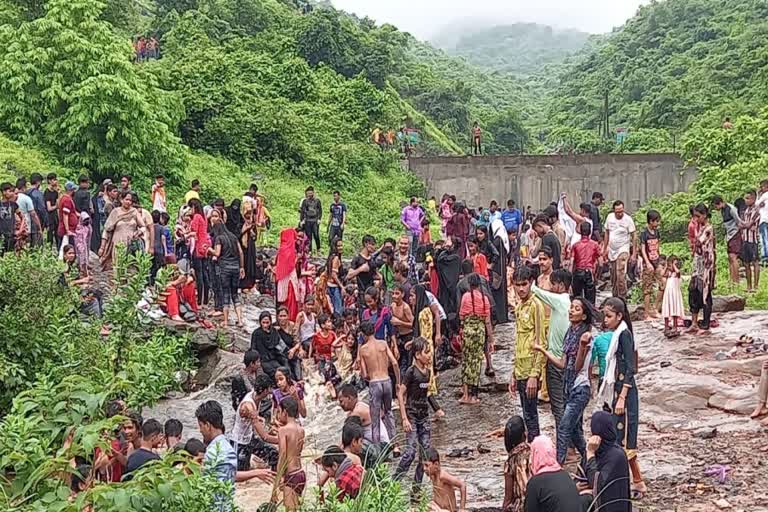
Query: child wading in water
x,y
290,444
444,485
414,409
672,305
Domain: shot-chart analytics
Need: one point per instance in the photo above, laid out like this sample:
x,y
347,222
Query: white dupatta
x,y
605,393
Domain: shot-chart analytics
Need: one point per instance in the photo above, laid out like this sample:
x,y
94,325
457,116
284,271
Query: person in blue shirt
x,y
511,217
495,212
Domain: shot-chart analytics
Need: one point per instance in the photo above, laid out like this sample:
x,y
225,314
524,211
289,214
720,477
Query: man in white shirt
x,y
762,203
27,209
620,237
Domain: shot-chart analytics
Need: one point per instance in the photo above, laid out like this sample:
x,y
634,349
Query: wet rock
x,y
736,400
207,362
204,340
674,391
727,303
722,504
706,433
636,312
752,366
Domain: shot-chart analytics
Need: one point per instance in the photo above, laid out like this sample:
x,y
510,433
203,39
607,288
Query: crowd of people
x,y
146,48
388,321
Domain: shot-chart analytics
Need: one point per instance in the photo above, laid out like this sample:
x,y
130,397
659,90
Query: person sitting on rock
x,y
179,300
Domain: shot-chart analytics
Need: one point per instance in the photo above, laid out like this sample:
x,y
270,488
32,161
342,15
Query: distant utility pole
x,y
605,114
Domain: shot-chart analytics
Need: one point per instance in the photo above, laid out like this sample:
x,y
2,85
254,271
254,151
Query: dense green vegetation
x,y
676,64
519,48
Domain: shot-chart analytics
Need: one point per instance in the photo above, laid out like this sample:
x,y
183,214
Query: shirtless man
x,y
375,360
353,407
290,444
402,320
545,269
444,486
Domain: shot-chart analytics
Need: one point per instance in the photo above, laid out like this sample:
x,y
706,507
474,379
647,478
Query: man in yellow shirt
x,y
529,363
193,193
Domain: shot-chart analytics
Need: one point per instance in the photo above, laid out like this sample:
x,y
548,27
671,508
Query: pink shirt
x,y
200,227
482,307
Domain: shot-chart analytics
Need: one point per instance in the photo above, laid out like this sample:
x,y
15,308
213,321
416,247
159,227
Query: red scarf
x,y
286,254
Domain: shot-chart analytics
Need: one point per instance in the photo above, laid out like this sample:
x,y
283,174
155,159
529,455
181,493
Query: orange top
x,y
480,263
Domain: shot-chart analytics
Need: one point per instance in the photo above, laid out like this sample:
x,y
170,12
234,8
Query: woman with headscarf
x,y
517,469
423,326
498,270
234,218
266,340
607,467
248,236
288,294
122,229
550,489
458,228
448,266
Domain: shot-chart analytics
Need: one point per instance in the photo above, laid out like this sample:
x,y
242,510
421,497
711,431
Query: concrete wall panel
x,y
538,179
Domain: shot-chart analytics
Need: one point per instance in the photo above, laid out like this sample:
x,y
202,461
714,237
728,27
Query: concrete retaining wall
x,y
538,179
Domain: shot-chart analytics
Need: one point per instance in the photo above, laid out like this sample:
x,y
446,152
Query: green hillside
x,y
519,48
244,88
675,64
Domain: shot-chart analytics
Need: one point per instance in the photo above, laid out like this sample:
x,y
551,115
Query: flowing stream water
x,y
680,382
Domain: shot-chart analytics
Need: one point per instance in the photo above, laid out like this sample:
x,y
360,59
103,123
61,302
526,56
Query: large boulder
x,y
735,400
728,303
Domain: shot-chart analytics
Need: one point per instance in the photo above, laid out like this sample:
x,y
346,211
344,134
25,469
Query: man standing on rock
x,y
337,221
732,224
311,212
620,237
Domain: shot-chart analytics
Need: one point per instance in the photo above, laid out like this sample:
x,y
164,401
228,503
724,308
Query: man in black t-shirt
x,y
82,197
337,220
414,409
548,239
363,269
8,209
151,439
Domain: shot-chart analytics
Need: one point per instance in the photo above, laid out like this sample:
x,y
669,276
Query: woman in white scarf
x,y
619,388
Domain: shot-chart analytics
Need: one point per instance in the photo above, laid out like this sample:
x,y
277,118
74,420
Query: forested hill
x,y
519,48
675,64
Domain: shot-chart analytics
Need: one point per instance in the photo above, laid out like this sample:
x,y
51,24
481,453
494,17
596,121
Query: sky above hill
x,y
425,18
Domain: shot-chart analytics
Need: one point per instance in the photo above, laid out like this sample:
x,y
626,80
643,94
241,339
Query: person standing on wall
x,y
311,212
620,237
477,133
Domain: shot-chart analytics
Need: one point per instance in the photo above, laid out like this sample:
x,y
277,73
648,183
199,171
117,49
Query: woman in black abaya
x,y
607,467
498,273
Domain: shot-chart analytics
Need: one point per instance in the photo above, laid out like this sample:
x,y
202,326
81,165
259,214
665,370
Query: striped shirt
x,y
752,219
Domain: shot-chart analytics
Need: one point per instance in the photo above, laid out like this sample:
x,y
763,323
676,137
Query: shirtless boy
x,y
349,402
290,444
444,486
375,360
402,320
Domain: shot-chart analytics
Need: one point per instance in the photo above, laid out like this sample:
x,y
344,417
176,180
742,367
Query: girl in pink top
x,y
475,313
200,263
